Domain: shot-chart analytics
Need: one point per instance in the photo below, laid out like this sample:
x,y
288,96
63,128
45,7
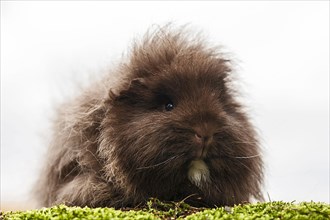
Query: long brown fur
x,y
125,140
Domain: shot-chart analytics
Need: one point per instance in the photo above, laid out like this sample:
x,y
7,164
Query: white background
x,y
282,48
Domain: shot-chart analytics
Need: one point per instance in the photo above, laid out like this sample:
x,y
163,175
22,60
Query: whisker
x,y
161,163
247,157
244,142
251,170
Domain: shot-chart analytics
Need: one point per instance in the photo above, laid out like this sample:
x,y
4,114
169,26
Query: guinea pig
x,y
165,123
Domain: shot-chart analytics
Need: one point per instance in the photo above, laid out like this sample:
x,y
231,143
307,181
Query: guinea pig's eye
x,y
169,106
164,101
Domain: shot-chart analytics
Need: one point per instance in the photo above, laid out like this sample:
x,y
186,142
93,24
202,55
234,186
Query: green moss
x,y
179,210
265,211
63,212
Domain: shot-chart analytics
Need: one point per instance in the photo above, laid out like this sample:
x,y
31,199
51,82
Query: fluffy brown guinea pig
x,y
168,125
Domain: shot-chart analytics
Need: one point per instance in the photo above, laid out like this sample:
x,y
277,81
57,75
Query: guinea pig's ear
x,y
137,83
130,91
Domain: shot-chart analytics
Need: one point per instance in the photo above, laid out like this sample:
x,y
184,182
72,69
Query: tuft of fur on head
x,y
170,126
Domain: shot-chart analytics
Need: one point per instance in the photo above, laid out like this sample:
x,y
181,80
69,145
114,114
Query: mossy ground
x,y
159,210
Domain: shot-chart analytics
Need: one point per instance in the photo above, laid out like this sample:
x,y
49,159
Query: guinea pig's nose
x,y
204,139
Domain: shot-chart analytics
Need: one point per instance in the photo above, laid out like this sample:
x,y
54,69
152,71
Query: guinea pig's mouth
x,y
200,152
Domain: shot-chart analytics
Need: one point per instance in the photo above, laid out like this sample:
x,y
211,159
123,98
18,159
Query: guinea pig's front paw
x,y
198,173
